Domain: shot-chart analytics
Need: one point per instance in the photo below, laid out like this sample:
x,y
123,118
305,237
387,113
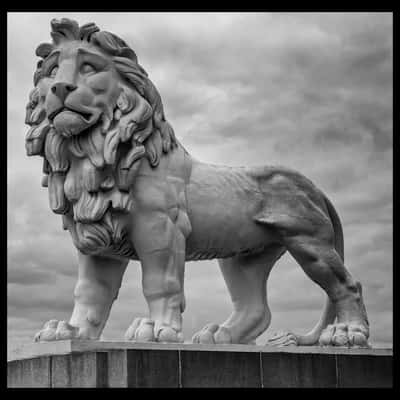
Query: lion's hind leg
x,y
323,265
246,278
311,242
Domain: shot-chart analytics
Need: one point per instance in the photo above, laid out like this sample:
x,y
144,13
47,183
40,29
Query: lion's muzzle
x,y
69,123
62,90
68,109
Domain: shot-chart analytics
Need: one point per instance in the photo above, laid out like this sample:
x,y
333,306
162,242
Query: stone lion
x,y
128,190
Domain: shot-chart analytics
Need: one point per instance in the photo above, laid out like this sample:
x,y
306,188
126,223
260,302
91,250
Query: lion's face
x,y
94,116
85,87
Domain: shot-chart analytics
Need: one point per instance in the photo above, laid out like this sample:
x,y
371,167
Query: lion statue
x,y
128,190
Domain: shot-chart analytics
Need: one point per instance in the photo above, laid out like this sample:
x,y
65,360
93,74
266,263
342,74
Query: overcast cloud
x,y
309,91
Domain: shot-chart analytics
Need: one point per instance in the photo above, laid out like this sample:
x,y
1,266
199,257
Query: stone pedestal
x,y
125,364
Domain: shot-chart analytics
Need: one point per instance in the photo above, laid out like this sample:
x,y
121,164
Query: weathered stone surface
x,y
220,369
127,364
40,349
153,368
298,370
364,371
117,368
80,346
33,373
143,368
80,370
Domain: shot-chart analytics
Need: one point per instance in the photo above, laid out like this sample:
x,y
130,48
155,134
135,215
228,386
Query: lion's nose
x,y
62,89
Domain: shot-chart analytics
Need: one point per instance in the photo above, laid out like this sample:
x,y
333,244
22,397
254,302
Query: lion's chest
x,y
98,218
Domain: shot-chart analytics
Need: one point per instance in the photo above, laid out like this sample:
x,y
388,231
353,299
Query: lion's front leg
x,y
99,280
162,253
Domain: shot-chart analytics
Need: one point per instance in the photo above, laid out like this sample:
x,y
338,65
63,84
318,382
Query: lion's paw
x,y
141,330
167,334
282,338
146,330
57,330
343,334
213,334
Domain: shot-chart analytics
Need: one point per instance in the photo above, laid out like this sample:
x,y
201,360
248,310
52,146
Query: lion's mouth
x,y
69,122
85,115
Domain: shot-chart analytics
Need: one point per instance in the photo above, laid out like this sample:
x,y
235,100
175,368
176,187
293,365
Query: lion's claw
x,y
145,330
169,335
340,334
57,330
213,334
280,339
141,330
66,331
343,334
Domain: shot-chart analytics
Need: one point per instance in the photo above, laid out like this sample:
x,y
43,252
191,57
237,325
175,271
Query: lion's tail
x,y
329,312
337,227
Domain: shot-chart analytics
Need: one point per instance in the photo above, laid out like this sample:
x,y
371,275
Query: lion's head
x,y
94,115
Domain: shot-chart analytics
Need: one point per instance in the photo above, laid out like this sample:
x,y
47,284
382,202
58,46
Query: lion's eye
x,y
87,68
53,71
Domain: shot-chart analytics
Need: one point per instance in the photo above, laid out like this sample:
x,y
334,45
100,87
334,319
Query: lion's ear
x,y
44,49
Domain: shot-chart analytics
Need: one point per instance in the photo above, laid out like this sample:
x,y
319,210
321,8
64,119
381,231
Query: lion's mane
x,y
90,176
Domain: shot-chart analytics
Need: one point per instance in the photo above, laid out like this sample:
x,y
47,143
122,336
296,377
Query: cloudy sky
x,y
309,91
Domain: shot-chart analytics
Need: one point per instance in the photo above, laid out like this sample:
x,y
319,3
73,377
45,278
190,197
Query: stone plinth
x,y
125,364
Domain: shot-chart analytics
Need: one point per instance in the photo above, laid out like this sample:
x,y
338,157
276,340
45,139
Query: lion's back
x,y
222,202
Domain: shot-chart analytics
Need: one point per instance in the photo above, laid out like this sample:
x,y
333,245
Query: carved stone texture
x,y
220,369
128,190
314,370
79,363
35,372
